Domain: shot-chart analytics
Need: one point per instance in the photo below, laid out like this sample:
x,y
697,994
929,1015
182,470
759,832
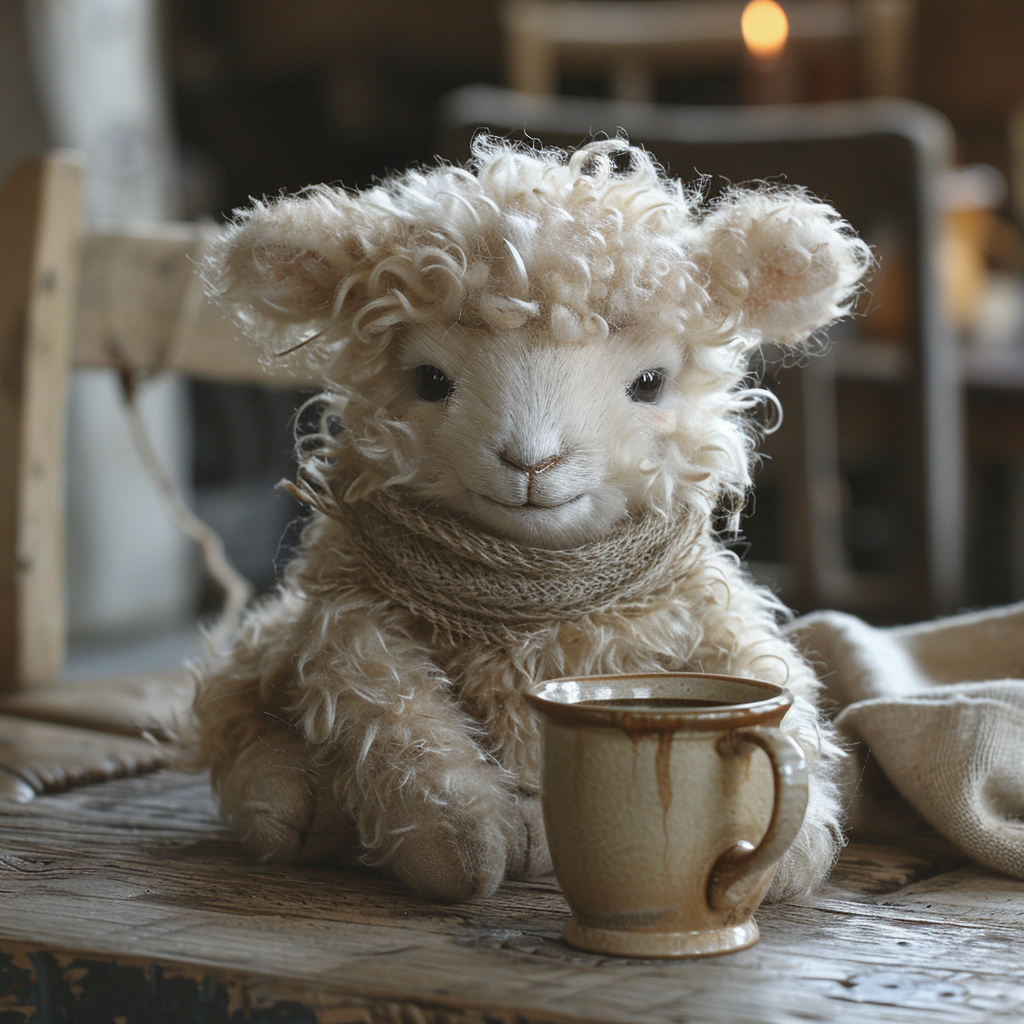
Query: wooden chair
x,y
888,396
631,42
128,298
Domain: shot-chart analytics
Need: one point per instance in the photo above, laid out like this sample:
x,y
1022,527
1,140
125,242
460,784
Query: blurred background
x,y
895,487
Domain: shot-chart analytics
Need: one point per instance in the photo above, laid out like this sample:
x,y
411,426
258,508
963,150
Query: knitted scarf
x,y
468,584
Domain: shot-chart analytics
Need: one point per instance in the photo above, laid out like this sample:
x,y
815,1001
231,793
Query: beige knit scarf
x,y
468,584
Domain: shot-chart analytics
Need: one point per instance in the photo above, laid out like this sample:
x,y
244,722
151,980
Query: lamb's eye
x,y
432,385
646,387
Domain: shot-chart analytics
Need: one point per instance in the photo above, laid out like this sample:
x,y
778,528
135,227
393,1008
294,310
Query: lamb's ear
x,y
782,264
279,264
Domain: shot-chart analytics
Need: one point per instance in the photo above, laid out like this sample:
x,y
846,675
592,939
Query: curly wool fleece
x,y
341,724
530,237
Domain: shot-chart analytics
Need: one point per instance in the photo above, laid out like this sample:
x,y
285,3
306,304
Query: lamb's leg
x,y
428,803
741,639
807,863
271,791
280,804
338,735
402,759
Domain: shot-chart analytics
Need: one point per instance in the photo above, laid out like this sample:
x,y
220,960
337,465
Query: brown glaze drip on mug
x,y
634,717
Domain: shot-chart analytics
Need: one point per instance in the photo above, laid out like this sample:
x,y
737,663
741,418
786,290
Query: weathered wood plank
x,y
141,304
130,705
134,280
139,874
40,228
52,758
877,865
53,291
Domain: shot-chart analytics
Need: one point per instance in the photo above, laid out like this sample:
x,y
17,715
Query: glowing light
x,y
765,28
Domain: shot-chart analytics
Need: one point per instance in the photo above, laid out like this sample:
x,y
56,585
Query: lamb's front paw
x,y
279,805
529,854
453,857
457,855
466,845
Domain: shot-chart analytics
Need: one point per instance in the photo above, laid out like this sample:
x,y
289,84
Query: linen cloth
x,y
940,707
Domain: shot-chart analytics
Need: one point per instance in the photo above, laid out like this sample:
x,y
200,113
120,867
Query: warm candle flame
x,y
765,28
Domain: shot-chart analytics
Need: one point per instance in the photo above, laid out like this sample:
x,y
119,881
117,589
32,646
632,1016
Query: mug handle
x,y
790,774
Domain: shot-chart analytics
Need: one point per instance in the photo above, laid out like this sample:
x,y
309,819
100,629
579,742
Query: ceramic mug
x,y
668,800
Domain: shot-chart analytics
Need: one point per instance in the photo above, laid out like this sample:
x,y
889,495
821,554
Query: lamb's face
x,y
547,444
546,438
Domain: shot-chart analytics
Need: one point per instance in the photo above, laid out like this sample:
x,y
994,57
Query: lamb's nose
x,y
533,468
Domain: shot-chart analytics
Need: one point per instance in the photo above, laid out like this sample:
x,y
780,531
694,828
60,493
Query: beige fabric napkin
x,y
940,707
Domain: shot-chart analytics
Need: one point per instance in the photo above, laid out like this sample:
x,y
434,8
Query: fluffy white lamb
x,y
540,363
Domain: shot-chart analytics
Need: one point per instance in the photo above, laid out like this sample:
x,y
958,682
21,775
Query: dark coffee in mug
x,y
655,703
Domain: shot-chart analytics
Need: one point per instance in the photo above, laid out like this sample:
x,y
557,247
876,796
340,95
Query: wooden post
x,y
530,57
887,28
40,233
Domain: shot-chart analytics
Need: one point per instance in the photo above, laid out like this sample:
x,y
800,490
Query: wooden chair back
x,y
632,42
889,391
128,297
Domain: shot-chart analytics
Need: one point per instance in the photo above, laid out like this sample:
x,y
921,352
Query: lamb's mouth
x,y
531,505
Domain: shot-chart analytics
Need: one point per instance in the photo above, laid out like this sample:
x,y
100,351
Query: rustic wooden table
x,y
128,902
